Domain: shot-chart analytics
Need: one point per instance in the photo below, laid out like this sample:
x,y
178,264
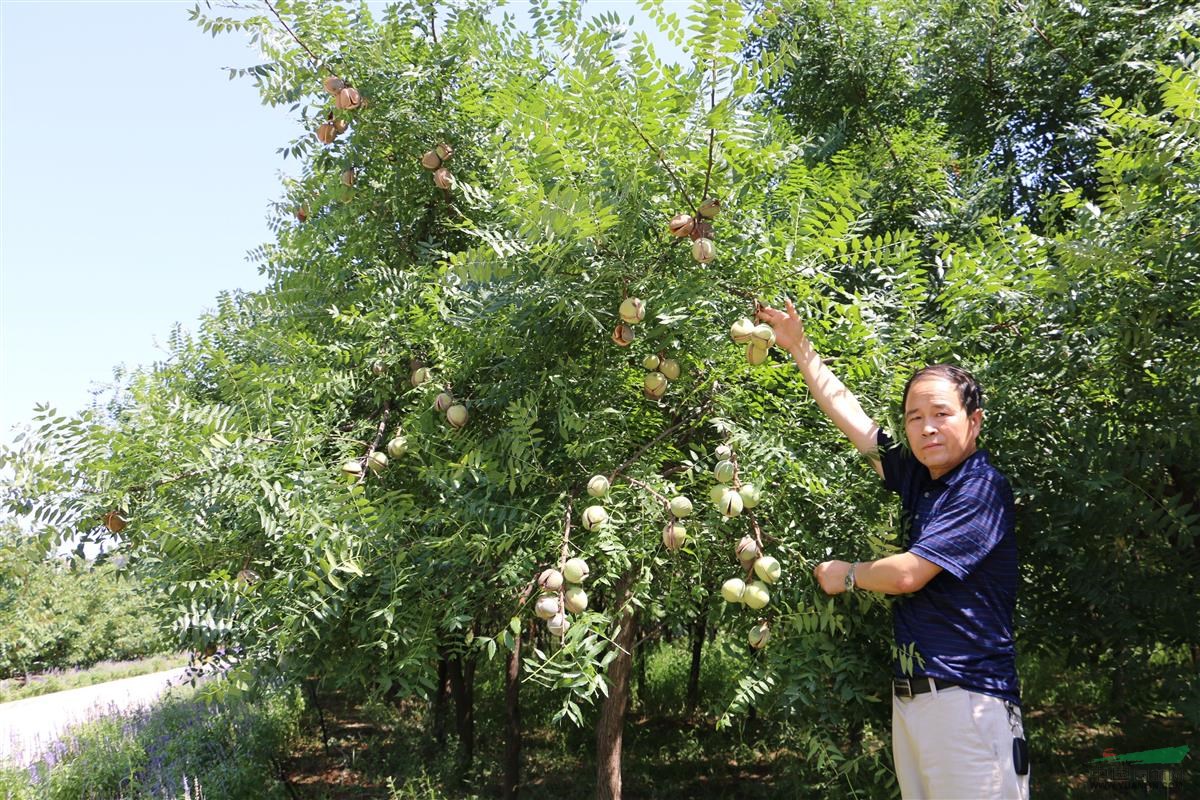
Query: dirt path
x,y
27,727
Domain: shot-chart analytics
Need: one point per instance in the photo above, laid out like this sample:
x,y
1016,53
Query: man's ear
x,y
976,421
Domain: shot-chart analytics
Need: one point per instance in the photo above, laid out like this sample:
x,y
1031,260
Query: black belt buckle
x,y
903,688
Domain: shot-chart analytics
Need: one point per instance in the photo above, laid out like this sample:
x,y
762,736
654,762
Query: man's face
x,y
940,431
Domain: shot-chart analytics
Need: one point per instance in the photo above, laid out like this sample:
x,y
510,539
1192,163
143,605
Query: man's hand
x,y
832,575
789,330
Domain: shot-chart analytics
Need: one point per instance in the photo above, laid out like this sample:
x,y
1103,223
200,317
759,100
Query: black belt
x,y
908,687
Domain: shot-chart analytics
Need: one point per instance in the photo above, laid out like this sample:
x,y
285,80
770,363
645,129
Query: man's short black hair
x,y
969,392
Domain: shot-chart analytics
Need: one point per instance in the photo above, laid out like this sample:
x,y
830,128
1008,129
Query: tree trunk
x,y
439,702
462,689
699,628
512,720
611,727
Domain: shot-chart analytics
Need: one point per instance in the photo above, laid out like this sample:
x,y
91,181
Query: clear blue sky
x,y
134,177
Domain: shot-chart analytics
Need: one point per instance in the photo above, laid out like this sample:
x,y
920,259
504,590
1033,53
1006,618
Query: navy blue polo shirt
x,y
961,622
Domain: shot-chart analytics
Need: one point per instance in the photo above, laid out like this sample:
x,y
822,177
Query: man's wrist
x,y
850,583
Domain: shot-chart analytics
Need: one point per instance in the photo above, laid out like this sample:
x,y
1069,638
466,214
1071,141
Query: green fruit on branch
x,y
431,160
650,362
674,536
597,486
594,517
741,331
457,415
632,310
377,462
670,368
747,549
723,452
656,384
551,580
419,376
558,624
348,99
575,570
764,335
767,568
681,225
681,507
443,179
709,208
760,634
325,133
442,402
397,446
731,504
733,589
756,595
717,493
444,151
703,250
547,606
333,84
352,469
724,470
348,177
116,522
576,600
750,495
623,334
755,354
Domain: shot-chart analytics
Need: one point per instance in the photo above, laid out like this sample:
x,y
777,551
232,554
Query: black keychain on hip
x,y
1020,748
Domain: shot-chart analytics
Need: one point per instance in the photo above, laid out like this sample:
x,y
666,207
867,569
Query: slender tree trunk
x,y
462,689
512,720
439,701
316,704
611,727
699,628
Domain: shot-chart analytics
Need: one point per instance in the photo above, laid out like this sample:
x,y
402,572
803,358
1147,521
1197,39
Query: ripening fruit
x,y
747,549
674,537
723,472
670,368
431,160
767,569
419,375
656,384
547,606
718,492
333,84
755,354
760,634
623,334
348,177
340,126
594,517
764,335
733,589
442,402
650,362
681,225
443,179
457,415
377,462
741,330
348,99
731,504
302,213
709,208
598,486
325,133
378,368
723,452
681,506
703,250
551,580
397,446
443,151
115,521
352,469
756,595
558,624
632,310
576,600
750,495
575,570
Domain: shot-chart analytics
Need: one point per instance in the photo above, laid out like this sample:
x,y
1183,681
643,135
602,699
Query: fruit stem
x,y
661,499
379,434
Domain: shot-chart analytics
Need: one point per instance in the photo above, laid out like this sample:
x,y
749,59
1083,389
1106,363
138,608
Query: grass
x,y
62,680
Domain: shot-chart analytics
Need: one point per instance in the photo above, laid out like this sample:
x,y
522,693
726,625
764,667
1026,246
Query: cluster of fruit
x,y
556,600
594,517
755,594
632,311
759,339
434,161
444,403
660,372
346,98
729,495
699,228
675,535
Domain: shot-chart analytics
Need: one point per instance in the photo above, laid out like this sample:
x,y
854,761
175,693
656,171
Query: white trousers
x,y
956,745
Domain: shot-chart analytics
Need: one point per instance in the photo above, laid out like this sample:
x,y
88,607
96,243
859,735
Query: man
x,y
956,719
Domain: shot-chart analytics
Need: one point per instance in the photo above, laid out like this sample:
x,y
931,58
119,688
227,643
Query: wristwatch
x,y
850,577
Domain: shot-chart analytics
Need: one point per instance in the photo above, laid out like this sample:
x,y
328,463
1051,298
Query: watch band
x,y
850,577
